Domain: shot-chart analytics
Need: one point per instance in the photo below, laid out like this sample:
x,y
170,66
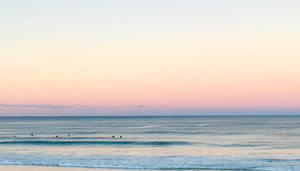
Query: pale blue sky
x,y
35,19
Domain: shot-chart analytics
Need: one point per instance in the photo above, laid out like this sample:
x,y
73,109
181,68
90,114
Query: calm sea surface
x,y
156,143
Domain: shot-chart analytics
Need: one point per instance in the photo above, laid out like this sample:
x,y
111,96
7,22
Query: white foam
x,y
150,162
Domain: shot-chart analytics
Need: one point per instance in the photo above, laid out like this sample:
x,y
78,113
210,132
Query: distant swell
x,y
147,143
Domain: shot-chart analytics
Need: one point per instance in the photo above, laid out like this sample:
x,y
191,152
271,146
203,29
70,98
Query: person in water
x,y
113,136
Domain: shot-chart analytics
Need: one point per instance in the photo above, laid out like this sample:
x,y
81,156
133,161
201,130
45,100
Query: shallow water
x,y
157,143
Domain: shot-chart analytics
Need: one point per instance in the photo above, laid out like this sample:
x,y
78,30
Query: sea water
x,y
154,143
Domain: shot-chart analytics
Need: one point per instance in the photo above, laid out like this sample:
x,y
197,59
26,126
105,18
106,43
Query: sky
x,y
150,57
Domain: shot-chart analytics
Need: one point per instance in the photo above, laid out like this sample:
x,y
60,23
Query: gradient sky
x,y
180,54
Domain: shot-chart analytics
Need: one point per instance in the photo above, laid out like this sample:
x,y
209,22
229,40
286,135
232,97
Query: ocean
x,y
153,142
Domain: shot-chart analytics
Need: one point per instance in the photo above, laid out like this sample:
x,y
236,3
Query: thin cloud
x,y
131,106
42,106
135,110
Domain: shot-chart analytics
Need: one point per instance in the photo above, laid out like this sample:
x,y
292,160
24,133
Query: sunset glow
x,y
176,54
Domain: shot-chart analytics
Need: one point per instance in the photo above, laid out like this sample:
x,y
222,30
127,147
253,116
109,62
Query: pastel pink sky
x,y
239,54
